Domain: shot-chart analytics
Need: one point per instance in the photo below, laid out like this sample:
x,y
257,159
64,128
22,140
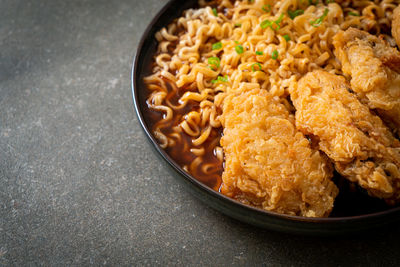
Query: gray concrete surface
x,y
79,184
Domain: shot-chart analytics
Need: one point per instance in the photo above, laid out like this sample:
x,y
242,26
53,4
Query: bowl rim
x,y
189,178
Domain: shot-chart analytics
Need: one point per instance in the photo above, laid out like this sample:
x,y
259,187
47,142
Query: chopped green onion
x,y
275,54
267,23
258,65
293,14
353,14
313,3
214,10
330,1
286,37
259,53
214,63
238,25
236,42
318,21
217,46
279,20
251,1
220,79
239,49
266,8
276,27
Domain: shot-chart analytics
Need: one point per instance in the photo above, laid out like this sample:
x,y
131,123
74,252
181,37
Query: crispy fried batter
x,y
268,163
362,147
374,68
396,25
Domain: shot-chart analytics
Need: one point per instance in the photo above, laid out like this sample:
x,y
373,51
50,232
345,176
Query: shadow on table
x,y
374,247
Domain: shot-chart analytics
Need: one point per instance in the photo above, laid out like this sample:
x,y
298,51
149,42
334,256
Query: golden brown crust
x,y
268,163
396,25
361,146
374,68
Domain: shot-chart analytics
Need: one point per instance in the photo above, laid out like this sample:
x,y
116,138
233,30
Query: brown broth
x,y
352,200
180,152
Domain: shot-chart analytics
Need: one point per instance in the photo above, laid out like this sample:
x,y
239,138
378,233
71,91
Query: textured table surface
x,y
80,185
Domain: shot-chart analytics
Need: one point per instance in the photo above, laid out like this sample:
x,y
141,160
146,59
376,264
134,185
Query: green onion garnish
x,y
275,54
318,21
220,79
214,10
239,49
217,46
293,14
286,37
238,25
258,65
279,20
267,23
353,14
266,8
259,53
313,3
214,63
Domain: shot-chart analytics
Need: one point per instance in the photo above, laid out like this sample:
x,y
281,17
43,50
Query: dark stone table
x,y
80,185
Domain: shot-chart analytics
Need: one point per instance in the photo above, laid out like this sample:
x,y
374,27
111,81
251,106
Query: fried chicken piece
x,y
268,163
361,146
374,68
396,25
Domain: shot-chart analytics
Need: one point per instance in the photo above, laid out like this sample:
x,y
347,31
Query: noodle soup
x,y
228,48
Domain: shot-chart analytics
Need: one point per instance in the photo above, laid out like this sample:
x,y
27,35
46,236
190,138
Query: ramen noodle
x,y
223,48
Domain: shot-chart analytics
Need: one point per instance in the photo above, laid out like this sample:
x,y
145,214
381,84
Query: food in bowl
x,y
265,101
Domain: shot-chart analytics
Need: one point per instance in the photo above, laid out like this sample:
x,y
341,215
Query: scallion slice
x,y
318,21
275,54
286,37
239,49
214,63
220,79
258,65
293,14
267,23
217,46
266,8
353,14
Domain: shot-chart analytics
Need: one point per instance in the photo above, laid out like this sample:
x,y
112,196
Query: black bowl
x,y
374,213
